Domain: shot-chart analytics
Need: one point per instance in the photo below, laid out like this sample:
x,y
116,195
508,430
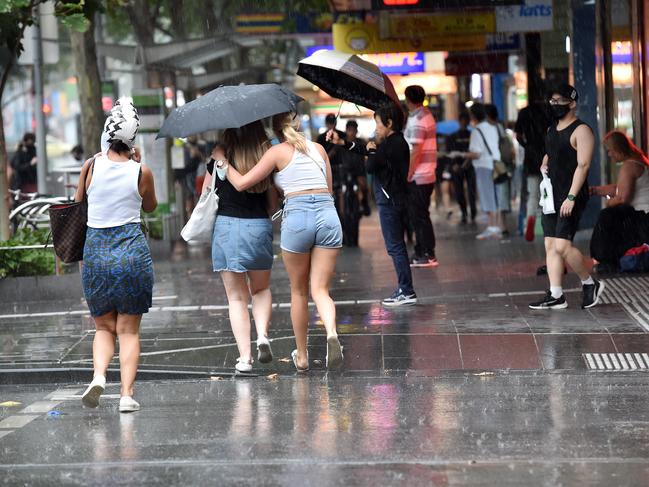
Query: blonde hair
x,y
622,144
286,130
244,147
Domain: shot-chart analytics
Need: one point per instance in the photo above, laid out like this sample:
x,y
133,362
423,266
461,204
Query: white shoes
x,y
490,232
90,398
243,366
128,405
264,352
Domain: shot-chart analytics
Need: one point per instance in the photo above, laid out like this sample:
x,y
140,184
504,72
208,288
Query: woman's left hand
x,y
217,153
136,155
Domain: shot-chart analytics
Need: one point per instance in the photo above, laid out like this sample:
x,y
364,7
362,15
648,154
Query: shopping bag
x,y
547,196
200,226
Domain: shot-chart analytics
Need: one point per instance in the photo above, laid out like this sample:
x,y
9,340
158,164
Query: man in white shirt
x,y
421,136
483,150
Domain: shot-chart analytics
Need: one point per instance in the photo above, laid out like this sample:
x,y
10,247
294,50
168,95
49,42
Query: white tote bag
x,y
547,196
200,226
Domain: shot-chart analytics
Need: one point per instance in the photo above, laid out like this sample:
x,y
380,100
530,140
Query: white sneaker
x,y
489,232
264,352
243,366
90,398
128,405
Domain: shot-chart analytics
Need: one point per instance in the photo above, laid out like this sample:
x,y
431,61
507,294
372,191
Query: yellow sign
x,y
361,38
413,26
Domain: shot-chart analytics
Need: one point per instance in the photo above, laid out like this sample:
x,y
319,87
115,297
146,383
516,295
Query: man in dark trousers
x,y
569,147
421,136
335,159
531,127
462,168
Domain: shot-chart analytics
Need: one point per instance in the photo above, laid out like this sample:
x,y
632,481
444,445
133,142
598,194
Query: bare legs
x,y
239,291
559,252
318,267
127,328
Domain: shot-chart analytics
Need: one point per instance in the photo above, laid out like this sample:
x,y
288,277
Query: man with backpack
x,y
503,182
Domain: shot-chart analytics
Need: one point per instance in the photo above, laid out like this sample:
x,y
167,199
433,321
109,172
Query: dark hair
x,y
393,113
119,146
29,136
491,110
464,116
478,112
415,94
330,118
352,123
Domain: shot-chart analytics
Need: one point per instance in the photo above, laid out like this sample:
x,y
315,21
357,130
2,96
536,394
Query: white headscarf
x,y
121,125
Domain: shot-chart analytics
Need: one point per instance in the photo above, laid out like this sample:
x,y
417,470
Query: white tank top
x,y
303,172
641,195
113,195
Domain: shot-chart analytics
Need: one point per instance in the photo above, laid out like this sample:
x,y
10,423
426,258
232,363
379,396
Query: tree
x,y
15,16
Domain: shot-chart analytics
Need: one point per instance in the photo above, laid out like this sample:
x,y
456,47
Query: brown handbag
x,y
68,223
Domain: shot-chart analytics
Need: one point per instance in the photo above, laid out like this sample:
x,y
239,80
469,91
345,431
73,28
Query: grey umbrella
x,y
228,107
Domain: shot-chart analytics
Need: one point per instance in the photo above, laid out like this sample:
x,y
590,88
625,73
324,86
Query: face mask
x,y
559,111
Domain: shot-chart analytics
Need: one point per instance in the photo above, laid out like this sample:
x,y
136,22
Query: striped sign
x,y
259,23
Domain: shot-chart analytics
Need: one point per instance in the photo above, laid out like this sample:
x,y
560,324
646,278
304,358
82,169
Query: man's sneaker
x,y
243,366
592,293
264,352
399,298
548,302
128,405
433,261
420,262
91,396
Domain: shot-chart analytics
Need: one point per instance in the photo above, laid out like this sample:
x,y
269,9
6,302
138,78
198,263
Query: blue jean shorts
x,y
310,221
242,244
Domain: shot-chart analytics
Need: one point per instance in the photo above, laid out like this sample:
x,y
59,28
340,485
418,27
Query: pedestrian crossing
x,y
617,361
632,293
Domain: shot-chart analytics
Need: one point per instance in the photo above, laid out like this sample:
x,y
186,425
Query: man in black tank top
x,y
569,147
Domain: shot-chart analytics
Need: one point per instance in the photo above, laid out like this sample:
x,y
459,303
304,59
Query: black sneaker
x,y
421,262
592,293
398,298
548,302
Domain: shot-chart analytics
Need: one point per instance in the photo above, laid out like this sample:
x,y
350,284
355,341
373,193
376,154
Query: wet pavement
x,y
469,387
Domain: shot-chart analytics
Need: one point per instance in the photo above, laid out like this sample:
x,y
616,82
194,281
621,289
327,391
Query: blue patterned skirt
x,y
117,270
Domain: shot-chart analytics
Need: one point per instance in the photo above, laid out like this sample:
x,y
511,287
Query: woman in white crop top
x,y
311,232
117,272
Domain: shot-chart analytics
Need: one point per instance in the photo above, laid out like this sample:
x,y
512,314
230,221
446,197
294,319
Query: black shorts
x,y
556,226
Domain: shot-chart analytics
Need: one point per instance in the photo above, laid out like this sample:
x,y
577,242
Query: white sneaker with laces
x,y
243,366
90,397
128,405
264,352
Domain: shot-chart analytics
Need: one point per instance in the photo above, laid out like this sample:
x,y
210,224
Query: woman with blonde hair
x,y
242,249
311,231
624,223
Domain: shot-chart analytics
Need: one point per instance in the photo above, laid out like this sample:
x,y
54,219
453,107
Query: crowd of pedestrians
x,y
322,189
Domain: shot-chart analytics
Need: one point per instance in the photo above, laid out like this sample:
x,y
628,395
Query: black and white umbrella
x,y
348,77
229,107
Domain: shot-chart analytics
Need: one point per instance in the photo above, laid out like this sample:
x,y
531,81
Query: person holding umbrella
x,y
311,231
242,242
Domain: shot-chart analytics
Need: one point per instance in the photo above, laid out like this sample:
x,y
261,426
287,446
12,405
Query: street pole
x,y
41,146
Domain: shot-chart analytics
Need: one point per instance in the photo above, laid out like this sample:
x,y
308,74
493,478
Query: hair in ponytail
x,y
286,130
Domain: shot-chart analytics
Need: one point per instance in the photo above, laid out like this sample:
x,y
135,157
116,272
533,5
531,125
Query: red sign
x,y
391,3
468,64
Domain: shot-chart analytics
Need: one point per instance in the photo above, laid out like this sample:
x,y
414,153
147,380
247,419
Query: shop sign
x,y
359,38
399,26
503,42
468,64
388,62
532,16
434,4
259,23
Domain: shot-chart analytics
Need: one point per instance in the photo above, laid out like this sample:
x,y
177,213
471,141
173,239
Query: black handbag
x,y
68,224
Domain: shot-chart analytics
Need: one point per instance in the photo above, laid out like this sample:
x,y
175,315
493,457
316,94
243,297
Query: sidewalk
x,y
472,315
469,387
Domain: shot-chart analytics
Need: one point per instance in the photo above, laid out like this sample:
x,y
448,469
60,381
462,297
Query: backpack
x,y
506,147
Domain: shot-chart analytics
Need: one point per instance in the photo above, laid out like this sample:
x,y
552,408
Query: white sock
x,y
588,282
556,291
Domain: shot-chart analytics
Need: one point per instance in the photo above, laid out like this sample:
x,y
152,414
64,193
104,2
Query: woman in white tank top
x,y
311,232
624,224
117,271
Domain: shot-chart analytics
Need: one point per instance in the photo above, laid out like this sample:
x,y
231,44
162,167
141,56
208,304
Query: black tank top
x,y
562,164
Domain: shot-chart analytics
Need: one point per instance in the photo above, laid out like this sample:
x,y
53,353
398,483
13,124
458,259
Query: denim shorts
x,y
242,244
310,221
